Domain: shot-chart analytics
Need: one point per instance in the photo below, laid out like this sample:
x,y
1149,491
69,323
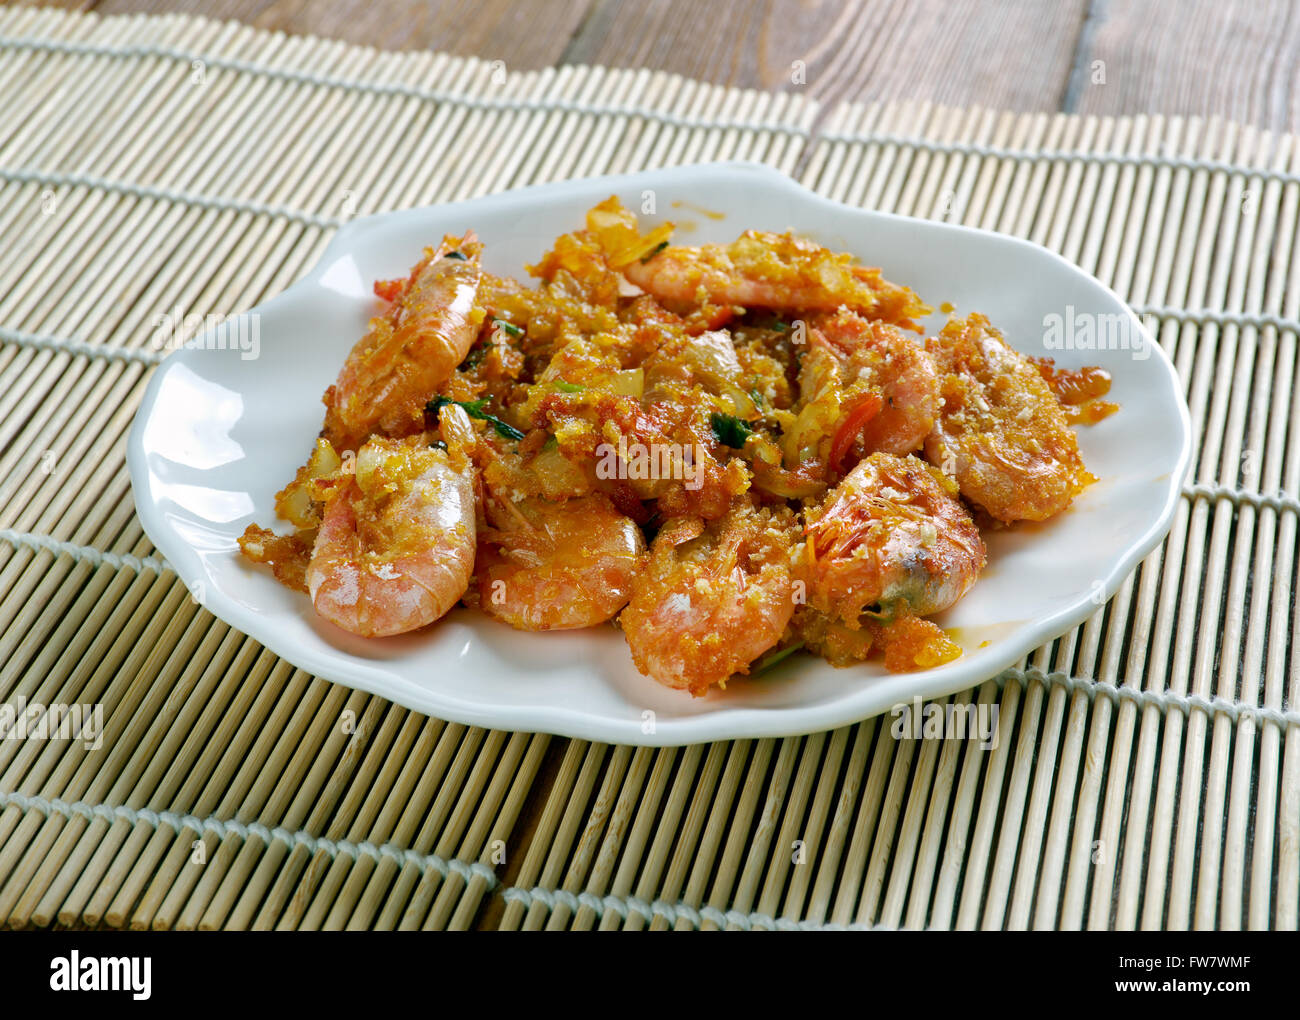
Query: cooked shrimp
x,y
883,357
889,534
556,565
411,348
778,271
864,386
712,598
1002,433
396,546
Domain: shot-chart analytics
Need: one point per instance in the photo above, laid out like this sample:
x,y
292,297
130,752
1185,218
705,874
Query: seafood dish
x,y
731,452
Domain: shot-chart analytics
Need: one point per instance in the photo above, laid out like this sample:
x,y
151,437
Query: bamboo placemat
x,y
1148,767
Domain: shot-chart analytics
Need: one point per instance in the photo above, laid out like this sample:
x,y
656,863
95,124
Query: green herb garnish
x,y
756,397
474,408
565,386
456,255
477,353
730,430
768,661
653,252
509,327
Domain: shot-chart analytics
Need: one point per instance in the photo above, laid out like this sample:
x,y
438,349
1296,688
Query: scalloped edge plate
x,y
225,422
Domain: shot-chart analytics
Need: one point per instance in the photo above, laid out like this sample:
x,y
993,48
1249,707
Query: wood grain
x,y
525,35
1004,54
1012,54
1234,58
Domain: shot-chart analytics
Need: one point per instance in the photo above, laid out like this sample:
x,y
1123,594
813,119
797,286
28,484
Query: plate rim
x,y
733,723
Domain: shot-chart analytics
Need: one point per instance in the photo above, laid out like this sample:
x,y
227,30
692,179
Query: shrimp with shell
x,y
554,553
881,357
411,348
1002,432
395,550
714,596
891,535
866,387
556,564
780,272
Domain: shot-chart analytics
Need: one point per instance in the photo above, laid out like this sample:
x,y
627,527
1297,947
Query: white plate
x,y
219,433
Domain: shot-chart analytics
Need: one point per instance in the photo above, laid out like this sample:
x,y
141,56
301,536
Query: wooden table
x,y
1235,58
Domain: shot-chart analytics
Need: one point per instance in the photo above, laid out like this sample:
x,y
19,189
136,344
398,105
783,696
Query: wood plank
x,y
525,34
1009,54
730,42
1240,60
1013,54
